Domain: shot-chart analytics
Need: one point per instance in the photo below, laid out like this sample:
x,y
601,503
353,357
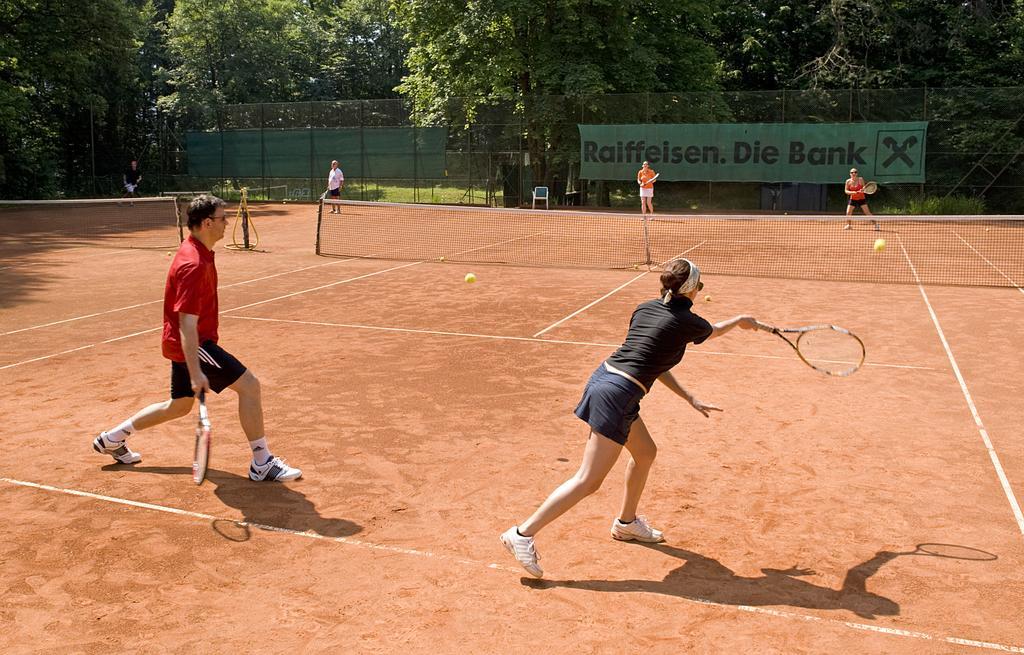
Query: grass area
x,y
436,193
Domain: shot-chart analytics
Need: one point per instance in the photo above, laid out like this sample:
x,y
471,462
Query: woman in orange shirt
x,y
855,192
645,178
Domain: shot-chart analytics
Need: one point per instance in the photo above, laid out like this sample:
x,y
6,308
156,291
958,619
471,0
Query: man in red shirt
x,y
190,342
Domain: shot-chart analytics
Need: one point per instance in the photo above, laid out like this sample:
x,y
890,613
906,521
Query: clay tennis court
x,y
429,415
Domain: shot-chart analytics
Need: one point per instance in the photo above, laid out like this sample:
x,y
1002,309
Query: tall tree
x,y
60,66
764,44
362,52
239,51
915,43
526,50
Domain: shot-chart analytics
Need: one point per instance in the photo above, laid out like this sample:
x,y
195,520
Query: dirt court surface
x,y
429,415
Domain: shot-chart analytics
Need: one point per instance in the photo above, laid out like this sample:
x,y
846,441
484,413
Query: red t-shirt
x,y
191,288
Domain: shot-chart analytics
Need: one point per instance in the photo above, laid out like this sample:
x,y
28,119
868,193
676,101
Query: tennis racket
x,y
870,187
204,435
648,181
826,348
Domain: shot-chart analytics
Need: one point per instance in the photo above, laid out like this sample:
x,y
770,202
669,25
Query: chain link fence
x,y
493,152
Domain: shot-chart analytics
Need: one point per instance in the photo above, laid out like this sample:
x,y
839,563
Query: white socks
x,y
260,451
121,432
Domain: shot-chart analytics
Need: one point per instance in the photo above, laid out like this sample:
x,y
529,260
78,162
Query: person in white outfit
x,y
335,183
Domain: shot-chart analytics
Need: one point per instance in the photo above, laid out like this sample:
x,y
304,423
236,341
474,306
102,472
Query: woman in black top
x,y
658,333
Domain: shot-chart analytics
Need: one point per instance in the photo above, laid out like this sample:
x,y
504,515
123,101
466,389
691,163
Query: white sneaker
x,y
119,450
274,470
638,530
523,549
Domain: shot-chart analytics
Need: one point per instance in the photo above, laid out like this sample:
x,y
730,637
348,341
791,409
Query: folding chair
x,y
540,193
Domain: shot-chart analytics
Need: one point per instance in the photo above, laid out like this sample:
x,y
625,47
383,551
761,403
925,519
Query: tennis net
x,y
970,251
132,222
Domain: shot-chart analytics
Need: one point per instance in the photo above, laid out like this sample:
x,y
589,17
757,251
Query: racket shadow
x,y
270,504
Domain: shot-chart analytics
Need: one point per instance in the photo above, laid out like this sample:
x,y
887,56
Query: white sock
x,y
260,451
121,432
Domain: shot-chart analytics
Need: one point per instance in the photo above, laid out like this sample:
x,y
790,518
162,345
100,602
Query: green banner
x,y
756,152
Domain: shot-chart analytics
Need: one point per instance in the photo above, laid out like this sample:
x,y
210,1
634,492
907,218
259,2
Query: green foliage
x,y
59,62
765,43
939,205
239,51
534,52
362,53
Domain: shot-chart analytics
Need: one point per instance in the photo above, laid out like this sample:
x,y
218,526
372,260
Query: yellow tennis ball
x,y
470,278
440,259
879,245
707,298
169,253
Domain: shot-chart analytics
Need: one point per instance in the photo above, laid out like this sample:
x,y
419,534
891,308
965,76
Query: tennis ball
x,y
707,298
879,245
169,253
440,259
470,278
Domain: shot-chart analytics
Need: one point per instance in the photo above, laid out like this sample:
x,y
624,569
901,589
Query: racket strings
x,y
836,352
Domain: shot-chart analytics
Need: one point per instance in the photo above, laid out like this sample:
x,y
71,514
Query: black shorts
x,y
610,404
858,203
218,365
335,193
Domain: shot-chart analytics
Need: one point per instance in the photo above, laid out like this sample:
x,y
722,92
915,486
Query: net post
x,y
319,220
647,243
244,207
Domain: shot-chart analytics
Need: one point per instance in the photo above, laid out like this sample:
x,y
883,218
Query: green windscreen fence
x,y
383,152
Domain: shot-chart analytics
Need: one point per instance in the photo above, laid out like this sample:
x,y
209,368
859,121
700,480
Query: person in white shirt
x,y
335,183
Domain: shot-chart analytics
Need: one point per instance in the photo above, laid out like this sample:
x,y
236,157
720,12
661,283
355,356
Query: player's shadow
x,y
705,579
270,504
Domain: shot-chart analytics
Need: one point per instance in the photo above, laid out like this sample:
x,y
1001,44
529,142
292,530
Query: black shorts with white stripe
x,y
218,365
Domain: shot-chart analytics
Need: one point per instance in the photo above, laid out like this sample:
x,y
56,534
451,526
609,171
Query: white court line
x,y
77,259
583,309
1007,489
426,554
223,312
613,292
502,337
153,302
1008,279
208,517
287,295
322,286
71,350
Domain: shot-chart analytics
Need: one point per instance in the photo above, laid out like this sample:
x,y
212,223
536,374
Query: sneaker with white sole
x,y
523,549
637,530
273,470
119,450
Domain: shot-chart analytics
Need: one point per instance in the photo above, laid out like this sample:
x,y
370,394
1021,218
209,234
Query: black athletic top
x,y
657,338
